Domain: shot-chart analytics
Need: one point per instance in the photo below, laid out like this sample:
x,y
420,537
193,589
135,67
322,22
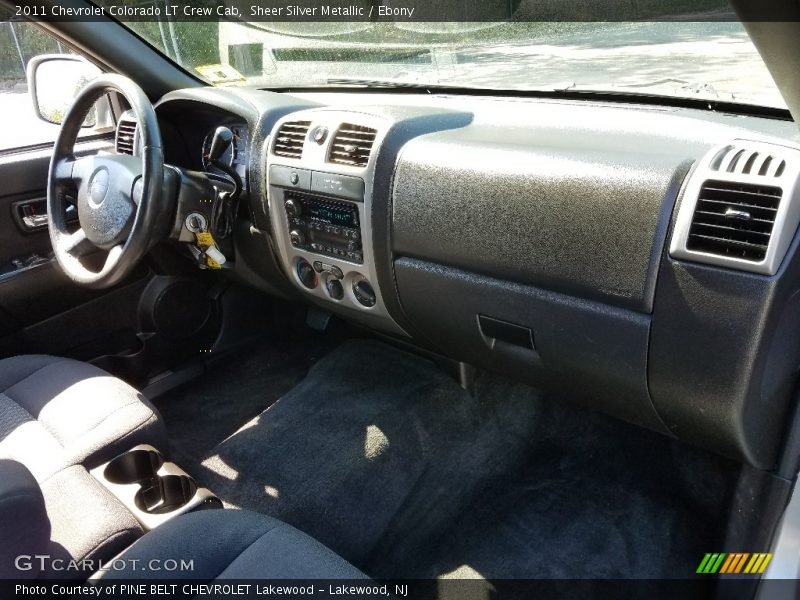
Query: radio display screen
x,y
334,215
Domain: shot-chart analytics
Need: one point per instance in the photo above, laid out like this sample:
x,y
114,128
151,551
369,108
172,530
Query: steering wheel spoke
x,y
77,244
112,259
62,170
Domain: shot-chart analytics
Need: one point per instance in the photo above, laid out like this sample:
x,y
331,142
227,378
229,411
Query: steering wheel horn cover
x,y
118,195
106,208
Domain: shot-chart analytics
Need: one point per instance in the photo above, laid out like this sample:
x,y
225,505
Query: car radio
x,y
324,226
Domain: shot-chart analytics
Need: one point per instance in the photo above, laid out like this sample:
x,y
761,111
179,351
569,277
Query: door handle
x,y
31,215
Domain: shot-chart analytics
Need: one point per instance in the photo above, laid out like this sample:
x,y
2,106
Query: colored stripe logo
x,y
734,563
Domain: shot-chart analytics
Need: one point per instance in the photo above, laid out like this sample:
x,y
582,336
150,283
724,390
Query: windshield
x,y
706,60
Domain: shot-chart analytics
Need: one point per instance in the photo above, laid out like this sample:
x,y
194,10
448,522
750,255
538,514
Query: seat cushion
x,y
57,412
234,544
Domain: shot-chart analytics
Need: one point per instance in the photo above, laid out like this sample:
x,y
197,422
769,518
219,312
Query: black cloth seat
x,y
58,418
232,544
57,412
70,517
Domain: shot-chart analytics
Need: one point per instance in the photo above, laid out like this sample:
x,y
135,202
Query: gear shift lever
x,y
222,219
223,138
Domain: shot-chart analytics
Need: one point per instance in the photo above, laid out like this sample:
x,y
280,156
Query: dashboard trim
x,y
315,159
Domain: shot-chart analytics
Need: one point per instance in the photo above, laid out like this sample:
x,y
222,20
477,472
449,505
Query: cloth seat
x,y
70,519
59,418
58,412
231,544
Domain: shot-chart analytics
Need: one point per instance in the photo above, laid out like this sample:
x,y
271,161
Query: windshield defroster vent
x,y
290,139
126,136
352,145
742,160
734,219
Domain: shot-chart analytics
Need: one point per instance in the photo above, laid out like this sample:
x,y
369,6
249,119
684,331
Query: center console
x,y
152,488
320,164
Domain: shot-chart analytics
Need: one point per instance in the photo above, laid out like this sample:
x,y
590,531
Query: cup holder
x,y
151,487
166,493
136,466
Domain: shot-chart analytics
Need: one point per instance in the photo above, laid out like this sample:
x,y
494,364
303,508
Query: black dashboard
x,y
636,258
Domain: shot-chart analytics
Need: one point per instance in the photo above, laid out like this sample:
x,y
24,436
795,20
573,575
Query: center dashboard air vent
x,y
740,208
290,139
125,141
352,145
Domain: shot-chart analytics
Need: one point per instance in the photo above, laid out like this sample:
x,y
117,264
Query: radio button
x,y
297,237
293,208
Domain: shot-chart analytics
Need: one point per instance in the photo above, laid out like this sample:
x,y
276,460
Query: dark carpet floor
x,y
382,457
597,498
371,453
203,413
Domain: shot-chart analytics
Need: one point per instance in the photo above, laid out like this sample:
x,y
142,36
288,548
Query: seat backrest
x,y
24,525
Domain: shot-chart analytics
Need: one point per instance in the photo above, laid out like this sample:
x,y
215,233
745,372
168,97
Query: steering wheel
x,y
118,195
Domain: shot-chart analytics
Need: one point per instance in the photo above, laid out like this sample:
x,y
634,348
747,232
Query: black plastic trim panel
x,y
410,124
725,356
583,350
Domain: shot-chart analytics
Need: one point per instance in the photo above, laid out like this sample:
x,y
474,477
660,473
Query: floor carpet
x,y
204,412
382,457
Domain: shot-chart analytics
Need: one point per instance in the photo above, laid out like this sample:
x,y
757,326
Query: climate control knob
x,y
306,274
364,293
297,237
293,208
335,289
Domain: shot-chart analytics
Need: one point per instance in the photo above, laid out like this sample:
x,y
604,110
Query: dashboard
x,y
640,259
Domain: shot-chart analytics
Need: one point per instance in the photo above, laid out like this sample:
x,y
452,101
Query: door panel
x,y
33,289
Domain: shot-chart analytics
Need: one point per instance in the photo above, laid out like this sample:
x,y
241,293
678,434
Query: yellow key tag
x,y
212,264
204,238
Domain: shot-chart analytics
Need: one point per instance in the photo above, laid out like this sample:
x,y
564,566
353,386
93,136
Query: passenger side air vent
x,y
352,145
290,138
734,219
126,136
740,208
